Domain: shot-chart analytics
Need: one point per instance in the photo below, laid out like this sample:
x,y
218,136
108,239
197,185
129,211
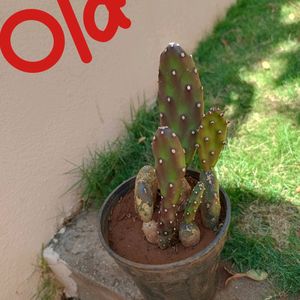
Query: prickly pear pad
x,y
180,96
211,138
169,164
170,171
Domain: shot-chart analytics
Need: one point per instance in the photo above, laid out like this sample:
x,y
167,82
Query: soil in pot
x,y
127,239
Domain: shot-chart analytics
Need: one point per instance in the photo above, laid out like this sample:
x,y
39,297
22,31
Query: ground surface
x,y
98,276
250,66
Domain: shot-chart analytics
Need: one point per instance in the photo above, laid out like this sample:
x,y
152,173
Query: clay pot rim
x,y
172,265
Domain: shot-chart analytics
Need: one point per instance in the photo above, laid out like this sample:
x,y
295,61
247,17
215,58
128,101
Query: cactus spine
x,y
180,97
170,171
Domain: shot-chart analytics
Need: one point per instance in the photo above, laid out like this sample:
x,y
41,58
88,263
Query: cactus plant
x,y
183,129
180,96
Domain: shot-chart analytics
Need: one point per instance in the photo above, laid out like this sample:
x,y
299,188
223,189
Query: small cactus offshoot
x,y
189,232
145,192
210,206
170,171
180,96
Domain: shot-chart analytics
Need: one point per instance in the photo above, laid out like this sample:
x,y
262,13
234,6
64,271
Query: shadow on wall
x,y
252,33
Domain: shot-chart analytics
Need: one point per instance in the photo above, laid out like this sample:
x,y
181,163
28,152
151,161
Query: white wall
x,y
49,117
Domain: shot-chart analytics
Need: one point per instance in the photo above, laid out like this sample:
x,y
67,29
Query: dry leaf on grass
x,y
141,139
256,275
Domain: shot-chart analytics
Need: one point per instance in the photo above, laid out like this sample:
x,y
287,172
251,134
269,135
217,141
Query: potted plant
x,y
167,226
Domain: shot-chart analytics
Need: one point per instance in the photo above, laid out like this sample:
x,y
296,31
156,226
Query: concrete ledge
x,y
80,263
87,272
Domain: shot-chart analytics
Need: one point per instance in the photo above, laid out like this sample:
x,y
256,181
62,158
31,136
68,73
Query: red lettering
x,y
75,30
25,65
116,19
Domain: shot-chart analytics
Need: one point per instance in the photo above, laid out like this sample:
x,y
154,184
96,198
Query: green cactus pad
x,y
145,192
211,138
210,206
180,97
193,203
170,171
169,163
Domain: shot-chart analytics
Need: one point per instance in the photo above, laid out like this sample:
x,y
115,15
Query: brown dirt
x,y
127,239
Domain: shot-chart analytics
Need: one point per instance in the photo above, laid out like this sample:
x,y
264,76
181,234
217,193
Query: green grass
x,y
250,66
109,167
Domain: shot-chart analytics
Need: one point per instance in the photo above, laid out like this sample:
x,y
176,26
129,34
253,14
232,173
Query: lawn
x,y
249,66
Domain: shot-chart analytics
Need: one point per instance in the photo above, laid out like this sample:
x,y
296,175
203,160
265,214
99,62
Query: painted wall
x,y
55,116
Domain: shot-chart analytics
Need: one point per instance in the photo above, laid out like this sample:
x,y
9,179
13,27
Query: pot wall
x,y
192,278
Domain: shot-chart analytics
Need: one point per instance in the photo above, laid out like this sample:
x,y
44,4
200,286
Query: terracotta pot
x,y
192,278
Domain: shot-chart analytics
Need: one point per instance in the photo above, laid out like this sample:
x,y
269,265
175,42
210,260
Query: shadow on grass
x,y
264,235
251,33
